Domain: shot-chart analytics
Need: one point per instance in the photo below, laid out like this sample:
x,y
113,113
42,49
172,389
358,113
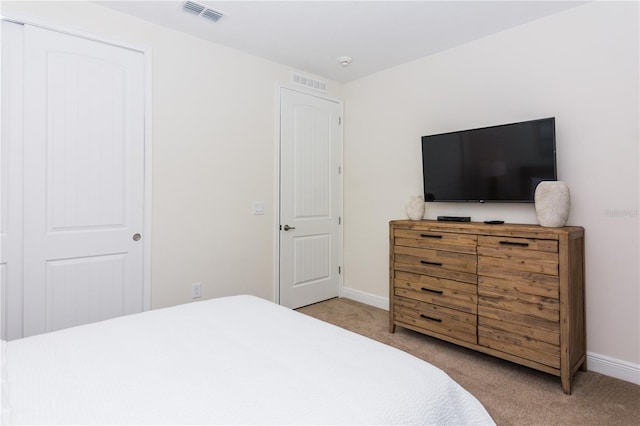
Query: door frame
x,y
277,183
146,51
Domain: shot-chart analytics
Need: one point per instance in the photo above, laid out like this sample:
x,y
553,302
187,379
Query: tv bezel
x,y
482,201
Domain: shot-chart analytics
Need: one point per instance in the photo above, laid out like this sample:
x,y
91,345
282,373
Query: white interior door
x,y
310,198
83,181
11,181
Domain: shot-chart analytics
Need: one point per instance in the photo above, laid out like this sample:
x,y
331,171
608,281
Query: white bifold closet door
x,y
83,179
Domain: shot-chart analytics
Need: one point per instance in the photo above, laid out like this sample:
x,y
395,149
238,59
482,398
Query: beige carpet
x,y
512,394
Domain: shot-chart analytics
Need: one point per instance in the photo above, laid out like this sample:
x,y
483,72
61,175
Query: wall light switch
x,y
258,207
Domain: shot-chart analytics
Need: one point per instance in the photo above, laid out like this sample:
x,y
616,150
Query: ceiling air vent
x,y
200,10
308,82
214,15
191,7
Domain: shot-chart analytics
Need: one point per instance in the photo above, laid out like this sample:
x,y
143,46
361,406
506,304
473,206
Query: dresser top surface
x,y
511,229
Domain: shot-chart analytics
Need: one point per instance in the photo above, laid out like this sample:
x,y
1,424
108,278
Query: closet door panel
x,y
83,181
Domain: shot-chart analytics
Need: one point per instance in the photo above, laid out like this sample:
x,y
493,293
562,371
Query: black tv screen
x,y
501,163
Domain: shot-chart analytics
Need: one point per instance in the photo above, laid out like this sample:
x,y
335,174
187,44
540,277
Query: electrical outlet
x,y
195,291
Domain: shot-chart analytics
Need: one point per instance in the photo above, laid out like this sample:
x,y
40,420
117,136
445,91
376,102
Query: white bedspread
x,y
225,361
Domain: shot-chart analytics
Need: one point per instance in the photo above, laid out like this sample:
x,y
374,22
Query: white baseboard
x,y
613,367
366,298
595,362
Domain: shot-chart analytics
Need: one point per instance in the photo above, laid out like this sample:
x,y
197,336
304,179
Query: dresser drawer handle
x,y
426,262
430,236
430,318
514,243
431,291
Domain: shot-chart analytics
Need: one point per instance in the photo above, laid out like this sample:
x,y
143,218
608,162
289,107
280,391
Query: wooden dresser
x,y
512,291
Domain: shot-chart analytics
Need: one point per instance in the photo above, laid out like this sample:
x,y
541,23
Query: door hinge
x,y
339,270
339,220
339,170
339,121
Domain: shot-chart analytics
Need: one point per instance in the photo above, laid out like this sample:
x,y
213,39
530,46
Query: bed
x,y
232,360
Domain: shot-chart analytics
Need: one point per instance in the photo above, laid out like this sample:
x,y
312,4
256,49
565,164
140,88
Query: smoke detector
x,y
344,60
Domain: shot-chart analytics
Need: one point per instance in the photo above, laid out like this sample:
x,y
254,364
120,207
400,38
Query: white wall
x,y
580,66
214,112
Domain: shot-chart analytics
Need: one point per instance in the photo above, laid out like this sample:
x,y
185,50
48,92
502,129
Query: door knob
x,y
136,237
287,227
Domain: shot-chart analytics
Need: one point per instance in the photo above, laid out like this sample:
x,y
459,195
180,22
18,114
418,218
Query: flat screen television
x,y
501,163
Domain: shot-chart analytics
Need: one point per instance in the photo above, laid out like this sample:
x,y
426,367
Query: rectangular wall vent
x,y
202,11
309,82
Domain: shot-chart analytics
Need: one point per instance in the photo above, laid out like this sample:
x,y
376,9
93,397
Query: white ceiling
x,y
311,35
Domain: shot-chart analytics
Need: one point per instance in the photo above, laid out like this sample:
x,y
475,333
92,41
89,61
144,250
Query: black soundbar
x,y
454,218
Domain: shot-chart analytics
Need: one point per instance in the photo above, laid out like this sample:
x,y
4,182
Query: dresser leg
x,y
566,383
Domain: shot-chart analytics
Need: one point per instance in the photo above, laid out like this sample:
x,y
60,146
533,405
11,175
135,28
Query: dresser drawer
x,y
435,318
517,254
436,263
520,288
461,243
526,306
535,344
438,291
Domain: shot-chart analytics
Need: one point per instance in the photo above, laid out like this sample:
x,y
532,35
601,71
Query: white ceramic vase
x,y
552,201
415,207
